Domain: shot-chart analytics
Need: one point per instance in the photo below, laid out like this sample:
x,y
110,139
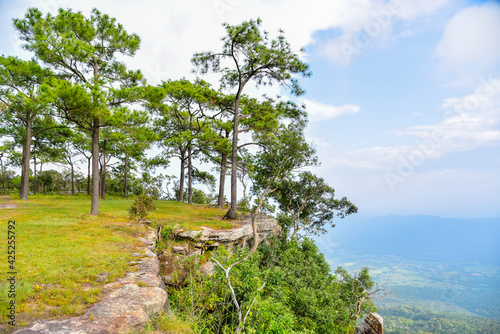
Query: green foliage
x,y
272,316
260,59
243,205
7,181
281,152
181,108
167,233
92,87
50,181
199,197
204,178
355,289
23,95
250,55
310,203
300,295
142,205
303,281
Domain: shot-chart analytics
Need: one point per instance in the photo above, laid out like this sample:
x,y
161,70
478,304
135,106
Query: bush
x,y
199,197
7,181
141,207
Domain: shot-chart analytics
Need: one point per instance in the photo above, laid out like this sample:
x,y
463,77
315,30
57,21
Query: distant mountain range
x,y
417,237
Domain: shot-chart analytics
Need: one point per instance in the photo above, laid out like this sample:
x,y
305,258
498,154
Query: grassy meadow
x,y
60,249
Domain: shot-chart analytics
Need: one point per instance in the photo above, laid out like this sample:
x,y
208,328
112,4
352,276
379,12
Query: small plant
x,y
141,284
166,236
142,205
38,288
168,233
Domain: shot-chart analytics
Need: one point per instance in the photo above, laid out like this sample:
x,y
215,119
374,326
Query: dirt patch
x,y
6,203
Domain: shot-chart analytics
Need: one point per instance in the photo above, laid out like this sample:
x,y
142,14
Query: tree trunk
x,y
25,169
254,223
231,213
34,175
126,166
190,176
3,176
88,176
222,181
72,180
358,308
95,168
100,176
103,174
181,180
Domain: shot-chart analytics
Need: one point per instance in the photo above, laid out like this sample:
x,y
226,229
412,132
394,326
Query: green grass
x,y
60,249
189,216
168,323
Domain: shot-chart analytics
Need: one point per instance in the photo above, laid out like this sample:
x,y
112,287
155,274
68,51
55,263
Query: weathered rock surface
x,y
175,263
373,324
127,304
180,250
239,234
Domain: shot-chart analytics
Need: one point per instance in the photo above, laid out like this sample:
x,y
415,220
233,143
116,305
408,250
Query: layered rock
x,y
175,262
240,234
373,324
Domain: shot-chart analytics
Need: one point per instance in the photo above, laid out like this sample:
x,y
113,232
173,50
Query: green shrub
x,y
142,205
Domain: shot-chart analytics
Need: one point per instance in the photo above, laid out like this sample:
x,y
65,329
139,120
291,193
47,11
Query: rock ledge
x,y
373,324
127,304
236,235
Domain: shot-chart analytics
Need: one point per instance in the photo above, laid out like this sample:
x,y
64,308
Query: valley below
x,y
433,282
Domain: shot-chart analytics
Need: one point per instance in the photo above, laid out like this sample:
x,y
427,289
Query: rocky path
x,y
127,304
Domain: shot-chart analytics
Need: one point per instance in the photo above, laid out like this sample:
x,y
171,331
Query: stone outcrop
x,y
175,262
127,304
240,234
373,324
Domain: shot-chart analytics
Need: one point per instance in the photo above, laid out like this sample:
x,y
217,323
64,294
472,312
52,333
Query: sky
x,y
403,101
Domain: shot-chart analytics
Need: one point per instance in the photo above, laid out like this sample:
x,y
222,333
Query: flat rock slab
x,y
239,233
127,304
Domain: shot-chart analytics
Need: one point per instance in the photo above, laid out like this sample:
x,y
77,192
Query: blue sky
x,y
404,100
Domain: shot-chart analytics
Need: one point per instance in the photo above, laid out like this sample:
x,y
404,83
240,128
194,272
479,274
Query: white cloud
x,y
379,158
411,9
322,112
471,38
367,23
172,31
317,142
470,122
408,33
